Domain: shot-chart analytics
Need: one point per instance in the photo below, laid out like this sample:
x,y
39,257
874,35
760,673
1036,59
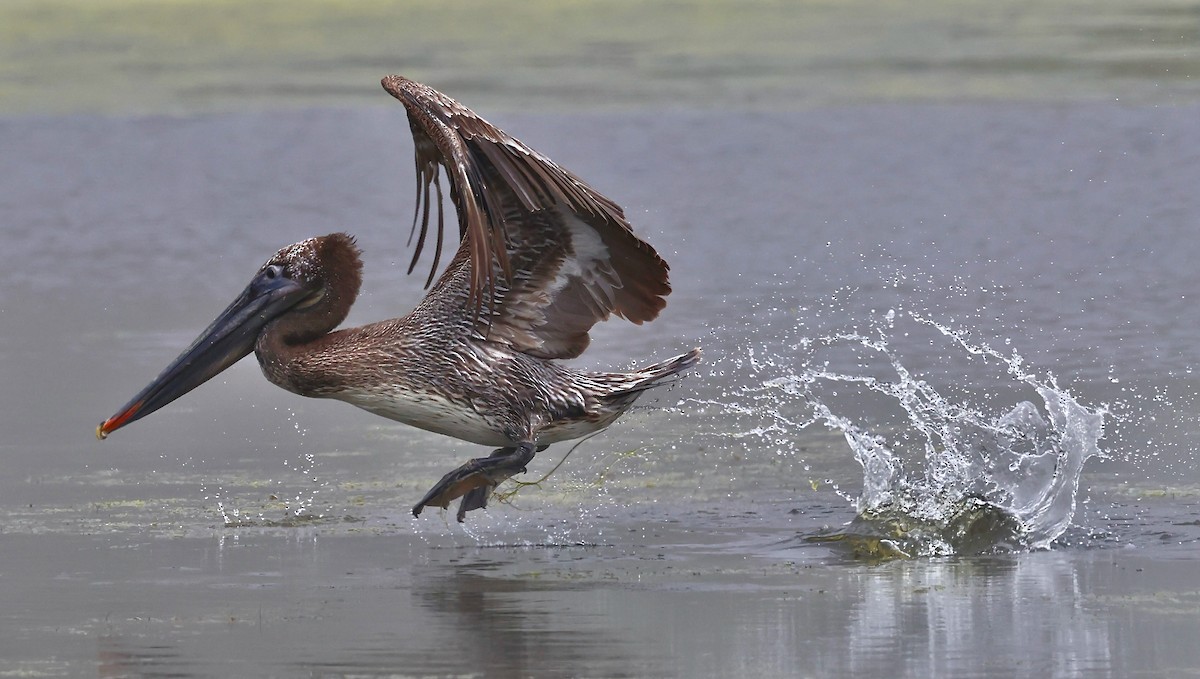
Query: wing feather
x,y
549,256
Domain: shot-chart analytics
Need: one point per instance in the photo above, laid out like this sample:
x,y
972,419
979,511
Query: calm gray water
x,y
244,531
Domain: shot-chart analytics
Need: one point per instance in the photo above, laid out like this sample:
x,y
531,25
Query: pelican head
x,y
301,293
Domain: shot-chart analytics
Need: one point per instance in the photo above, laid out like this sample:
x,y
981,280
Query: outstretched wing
x,y
549,256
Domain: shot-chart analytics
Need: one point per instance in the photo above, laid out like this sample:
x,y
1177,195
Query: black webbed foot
x,y
476,498
475,480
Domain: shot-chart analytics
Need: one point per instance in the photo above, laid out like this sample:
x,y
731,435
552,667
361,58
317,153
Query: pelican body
x,y
542,257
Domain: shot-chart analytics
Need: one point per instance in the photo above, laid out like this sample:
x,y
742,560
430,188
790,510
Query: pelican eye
x,y
274,271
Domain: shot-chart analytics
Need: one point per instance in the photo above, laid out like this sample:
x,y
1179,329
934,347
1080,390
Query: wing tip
x,y
404,88
392,80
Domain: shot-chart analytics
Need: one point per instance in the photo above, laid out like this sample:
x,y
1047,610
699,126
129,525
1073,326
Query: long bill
x,y
227,340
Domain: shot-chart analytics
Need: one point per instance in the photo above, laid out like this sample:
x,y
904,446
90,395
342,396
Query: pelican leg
x,y
474,481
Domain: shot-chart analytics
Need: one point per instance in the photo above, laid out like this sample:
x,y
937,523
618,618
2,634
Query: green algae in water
x,y
972,525
155,56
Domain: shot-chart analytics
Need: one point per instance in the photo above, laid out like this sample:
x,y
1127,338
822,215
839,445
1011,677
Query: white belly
x,y
430,412
436,413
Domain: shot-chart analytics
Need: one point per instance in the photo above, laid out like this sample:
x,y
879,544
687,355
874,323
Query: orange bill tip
x,y
117,421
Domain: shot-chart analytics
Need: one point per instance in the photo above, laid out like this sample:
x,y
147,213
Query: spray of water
x,y
295,503
944,471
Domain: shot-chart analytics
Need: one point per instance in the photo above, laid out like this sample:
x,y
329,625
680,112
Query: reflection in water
x,y
374,607
517,628
120,657
1023,616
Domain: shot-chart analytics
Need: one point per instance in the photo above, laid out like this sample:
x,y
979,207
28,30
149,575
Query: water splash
x,y
243,502
945,471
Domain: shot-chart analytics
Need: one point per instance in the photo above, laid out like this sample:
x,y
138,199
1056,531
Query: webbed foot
x,y
475,480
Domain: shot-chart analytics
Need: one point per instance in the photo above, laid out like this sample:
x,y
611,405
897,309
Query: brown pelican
x,y
542,258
